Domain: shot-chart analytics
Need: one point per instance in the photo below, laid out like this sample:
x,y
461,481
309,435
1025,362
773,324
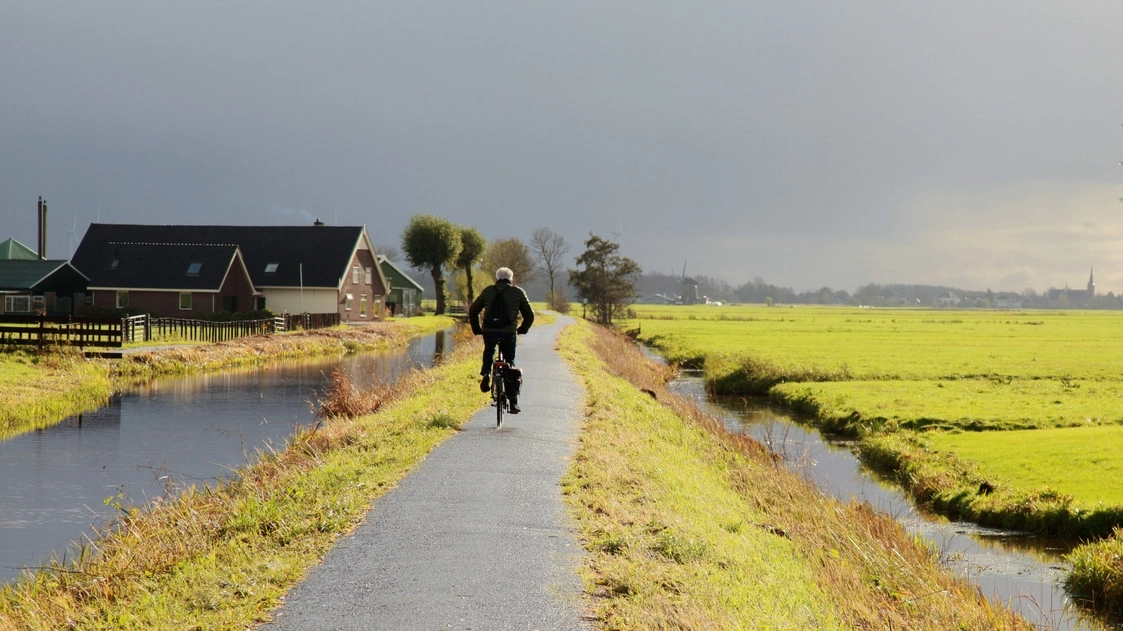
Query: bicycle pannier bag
x,y
512,380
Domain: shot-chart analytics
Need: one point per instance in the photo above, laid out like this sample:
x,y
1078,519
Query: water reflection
x,y
55,482
1014,568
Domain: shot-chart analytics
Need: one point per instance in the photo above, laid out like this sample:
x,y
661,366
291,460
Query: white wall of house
x,y
290,300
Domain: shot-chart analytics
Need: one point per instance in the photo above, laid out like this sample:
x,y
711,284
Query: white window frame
x,y
370,275
355,275
362,305
188,295
13,302
122,301
348,302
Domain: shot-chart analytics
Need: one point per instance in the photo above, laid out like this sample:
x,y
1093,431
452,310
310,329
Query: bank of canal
x,y
61,481
1023,571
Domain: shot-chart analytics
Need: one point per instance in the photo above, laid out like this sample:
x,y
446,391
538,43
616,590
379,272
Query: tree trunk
x,y
439,283
471,289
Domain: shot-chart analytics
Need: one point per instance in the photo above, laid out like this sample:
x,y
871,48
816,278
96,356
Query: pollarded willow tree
x,y
432,243
472,245
606,280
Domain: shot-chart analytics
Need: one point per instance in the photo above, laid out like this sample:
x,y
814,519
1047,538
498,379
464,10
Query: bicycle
x,y
499,398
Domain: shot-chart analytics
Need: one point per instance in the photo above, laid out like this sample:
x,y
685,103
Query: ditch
x,y
1018,569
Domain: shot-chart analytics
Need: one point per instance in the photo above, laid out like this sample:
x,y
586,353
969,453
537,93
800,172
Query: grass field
x,y
919,386
864,371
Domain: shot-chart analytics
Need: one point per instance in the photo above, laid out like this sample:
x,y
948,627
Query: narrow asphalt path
x,y
476,537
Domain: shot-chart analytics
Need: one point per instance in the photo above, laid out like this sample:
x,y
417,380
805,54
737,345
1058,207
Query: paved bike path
x,y
476,537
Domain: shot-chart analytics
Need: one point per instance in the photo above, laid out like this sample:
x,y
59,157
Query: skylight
x,y
193,269
271,267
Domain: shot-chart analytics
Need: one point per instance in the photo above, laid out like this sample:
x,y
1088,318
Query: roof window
x,y
193,269
271,267
113,265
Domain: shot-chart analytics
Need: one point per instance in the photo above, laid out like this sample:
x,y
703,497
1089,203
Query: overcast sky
x,y
972,143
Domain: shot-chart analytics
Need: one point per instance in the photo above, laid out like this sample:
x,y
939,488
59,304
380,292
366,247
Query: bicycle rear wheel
x,y
500,397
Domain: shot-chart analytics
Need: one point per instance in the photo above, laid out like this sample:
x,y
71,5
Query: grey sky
x,y
965,142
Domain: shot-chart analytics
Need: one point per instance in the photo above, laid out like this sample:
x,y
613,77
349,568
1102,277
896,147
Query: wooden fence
x,y
145,328
296,321
206,331
60,330
113,332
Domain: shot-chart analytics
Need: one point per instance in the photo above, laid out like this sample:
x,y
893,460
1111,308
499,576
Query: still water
x,y
58,483
1010,567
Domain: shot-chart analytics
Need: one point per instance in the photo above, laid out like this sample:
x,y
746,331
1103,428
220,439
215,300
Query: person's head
x,y
504,273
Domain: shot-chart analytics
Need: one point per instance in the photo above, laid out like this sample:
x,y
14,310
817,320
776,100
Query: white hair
x,y
504,273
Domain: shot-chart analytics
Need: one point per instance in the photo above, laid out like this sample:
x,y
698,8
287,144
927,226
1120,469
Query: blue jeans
x,y
505,342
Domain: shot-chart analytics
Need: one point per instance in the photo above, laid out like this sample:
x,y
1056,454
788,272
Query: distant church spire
x,y
1091,282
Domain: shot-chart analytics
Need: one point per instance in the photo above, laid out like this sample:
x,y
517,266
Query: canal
x,y
1020,570
59,483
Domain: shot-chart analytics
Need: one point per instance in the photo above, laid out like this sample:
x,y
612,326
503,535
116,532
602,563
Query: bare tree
x,y
549,249
392,253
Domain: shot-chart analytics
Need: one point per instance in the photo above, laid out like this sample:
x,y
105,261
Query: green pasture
x,y
970,404
1082,463
892,343
871,372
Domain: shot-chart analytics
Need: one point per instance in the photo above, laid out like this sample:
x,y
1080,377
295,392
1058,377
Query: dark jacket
x,y
512,298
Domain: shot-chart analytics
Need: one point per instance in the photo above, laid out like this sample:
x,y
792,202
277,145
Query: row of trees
x,y
603,279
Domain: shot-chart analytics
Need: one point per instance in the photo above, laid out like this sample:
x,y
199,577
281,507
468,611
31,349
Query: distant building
x,y
1008,300
1074,297
948,299
655,299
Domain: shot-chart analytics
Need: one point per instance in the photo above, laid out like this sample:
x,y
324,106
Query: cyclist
x,y
501,305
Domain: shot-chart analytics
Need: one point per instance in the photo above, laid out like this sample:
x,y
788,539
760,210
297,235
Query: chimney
x,y
318,222
42,229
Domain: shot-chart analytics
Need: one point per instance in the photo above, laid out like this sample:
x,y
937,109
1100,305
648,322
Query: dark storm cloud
x,y
811,143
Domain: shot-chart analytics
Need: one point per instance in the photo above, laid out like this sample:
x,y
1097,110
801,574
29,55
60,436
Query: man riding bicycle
x,y
501,305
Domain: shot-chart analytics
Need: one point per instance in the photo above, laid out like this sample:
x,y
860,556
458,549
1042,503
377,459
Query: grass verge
x,y
38,390
221,557
690,527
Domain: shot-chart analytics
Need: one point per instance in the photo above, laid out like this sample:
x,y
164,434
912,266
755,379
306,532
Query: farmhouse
x,y
293,269
404,297
39,286
30,284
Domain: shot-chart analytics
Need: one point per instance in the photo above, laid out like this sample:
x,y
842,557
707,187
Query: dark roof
x,y
24,274
160,266
324,252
